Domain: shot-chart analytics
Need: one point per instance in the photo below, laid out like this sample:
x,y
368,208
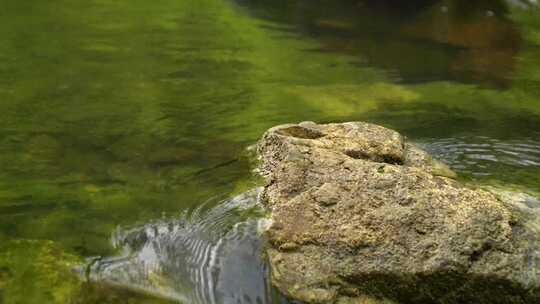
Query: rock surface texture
x,y
358,211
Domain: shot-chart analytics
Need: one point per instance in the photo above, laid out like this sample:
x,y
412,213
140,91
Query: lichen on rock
x,y
359,212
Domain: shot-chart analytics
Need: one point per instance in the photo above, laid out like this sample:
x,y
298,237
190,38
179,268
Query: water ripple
x,y
479,154
211,255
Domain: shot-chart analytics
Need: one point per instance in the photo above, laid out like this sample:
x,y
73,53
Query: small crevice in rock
x,y
356,154
478,254
301,132
392,160
388,159
420,231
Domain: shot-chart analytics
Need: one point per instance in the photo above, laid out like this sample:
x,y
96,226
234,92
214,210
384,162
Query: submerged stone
x,y
359,212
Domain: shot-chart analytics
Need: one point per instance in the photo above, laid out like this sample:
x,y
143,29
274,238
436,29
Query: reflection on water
x,y
206,256
468,41
477,155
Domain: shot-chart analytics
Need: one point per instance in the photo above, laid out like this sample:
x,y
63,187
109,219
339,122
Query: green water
x,y
113,113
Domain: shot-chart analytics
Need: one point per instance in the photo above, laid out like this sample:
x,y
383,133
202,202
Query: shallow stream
x,y
124,126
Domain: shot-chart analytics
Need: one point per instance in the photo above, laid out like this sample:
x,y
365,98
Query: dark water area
x,y
118,116
415,41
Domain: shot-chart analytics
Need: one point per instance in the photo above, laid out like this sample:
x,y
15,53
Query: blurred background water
x,y
131,113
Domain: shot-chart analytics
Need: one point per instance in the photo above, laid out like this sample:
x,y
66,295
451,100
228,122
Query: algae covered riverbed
x,y
117,113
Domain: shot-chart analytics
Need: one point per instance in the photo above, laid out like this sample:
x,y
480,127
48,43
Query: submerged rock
x,y
358,211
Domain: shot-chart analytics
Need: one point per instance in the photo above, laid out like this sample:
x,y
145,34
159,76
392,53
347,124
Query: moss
x,y
346,100
37,272
442,288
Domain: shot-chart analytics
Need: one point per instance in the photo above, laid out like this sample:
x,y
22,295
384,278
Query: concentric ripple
x,y
206,256
483,156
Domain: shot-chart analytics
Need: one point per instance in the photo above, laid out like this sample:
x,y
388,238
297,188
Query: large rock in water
x,y
357,210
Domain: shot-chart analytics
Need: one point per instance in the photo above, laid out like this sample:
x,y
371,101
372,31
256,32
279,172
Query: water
x,y
206,256
117,115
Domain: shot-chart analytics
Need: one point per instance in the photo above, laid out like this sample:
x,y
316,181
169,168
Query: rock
x,y
359,213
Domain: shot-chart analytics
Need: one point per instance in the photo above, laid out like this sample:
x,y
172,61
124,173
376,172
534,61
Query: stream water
x,y
124,126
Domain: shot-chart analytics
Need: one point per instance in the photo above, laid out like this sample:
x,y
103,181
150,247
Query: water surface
x,y
116,115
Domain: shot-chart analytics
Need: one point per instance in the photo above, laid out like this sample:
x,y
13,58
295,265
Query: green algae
x,y
37,272
34,271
